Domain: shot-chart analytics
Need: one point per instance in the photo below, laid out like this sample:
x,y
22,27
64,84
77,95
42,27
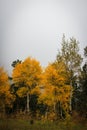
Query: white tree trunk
x,y
28,107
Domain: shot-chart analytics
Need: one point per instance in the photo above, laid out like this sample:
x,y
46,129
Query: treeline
x,y
53,92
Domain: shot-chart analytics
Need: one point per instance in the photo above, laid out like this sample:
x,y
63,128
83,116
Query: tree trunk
x,y
46,114
3,112
54,107
28,107
71,98
61,113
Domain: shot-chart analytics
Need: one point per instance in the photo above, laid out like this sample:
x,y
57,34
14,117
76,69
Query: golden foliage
x,y
55,85
5,96
27,74
22,92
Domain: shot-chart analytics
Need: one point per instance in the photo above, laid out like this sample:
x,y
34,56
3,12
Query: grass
x,y
17,124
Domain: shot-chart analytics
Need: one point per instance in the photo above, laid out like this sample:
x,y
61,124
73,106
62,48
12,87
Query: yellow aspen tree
x,y
6,98
27,76
55,86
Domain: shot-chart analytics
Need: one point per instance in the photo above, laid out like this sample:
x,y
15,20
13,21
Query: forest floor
x,y
20,124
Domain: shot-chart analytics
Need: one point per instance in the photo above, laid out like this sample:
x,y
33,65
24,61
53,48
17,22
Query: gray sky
x,y
35,28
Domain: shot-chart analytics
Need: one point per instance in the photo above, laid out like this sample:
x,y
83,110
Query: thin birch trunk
x,y
54,107
28,107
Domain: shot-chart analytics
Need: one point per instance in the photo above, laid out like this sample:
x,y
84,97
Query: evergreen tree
x,y
82,95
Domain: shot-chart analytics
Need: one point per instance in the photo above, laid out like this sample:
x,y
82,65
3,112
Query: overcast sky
x,y
35,28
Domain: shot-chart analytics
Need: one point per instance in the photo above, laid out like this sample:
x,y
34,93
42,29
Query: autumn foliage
x,y
53,92
27,76
56,93
6,97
